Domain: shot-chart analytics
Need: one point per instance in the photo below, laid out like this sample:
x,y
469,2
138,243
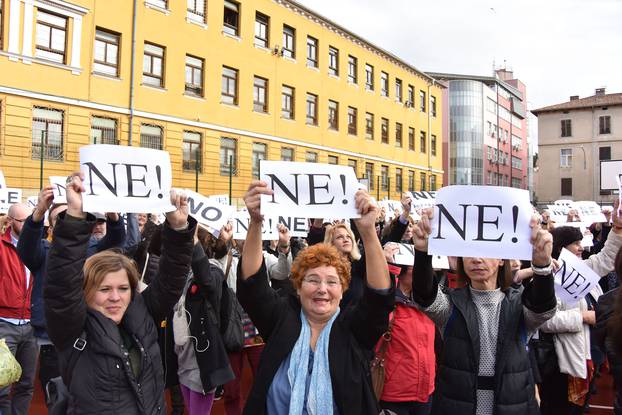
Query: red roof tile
x,y
588,102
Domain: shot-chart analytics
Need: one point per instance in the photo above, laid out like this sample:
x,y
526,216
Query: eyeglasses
x,y
316,282
17,220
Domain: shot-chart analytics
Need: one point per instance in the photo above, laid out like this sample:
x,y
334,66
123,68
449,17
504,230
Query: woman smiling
x,y
316,359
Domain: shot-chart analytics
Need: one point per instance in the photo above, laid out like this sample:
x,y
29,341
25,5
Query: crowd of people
x,y
114,312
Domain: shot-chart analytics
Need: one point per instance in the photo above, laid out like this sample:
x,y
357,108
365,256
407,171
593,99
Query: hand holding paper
x,y
616,218
422,231
252,199
542,243
44,201
75,188
226,232
179,217
368,210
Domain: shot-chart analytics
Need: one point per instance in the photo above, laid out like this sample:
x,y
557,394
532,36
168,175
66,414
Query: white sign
x,y
574,279
222,199
422,200
2,181
207,212
9,196
440,262
482,221
298,227
609,171
405,256
391,207
558,213
241,220
125,179
309,190
59,187
589,212
619,181
32,202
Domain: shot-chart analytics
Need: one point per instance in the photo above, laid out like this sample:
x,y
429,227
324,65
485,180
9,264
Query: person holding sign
x,y
485,367
315,358
103,328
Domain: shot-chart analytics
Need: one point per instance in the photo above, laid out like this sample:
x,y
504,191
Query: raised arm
x,y
29,246
65,307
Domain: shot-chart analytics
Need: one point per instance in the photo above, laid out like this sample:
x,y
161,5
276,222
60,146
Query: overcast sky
x,y
557,48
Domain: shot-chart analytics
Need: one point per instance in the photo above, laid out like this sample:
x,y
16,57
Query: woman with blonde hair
x,y
104,330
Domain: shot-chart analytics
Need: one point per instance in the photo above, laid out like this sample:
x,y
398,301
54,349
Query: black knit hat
x,y
564,236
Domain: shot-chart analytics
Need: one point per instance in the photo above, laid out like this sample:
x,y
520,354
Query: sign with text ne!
x,y
9,196
422,200
481,221
574,279
308,190
59,187
125,179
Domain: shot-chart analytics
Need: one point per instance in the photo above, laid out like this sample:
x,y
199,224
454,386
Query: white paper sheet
x,y
574,279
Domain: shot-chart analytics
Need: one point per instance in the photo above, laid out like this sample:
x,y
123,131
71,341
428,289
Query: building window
x,y
384,130
333,61
151,136
333,159
196,10
398,90
398,180
287,102
566,187
604,124
411,139
433,105
47,133
423,181
384,84
398,134
352,69
260,94
354,164
287,154
422,101
369,126
311,109
566,128
411,181
191,151
51,36
229,86
333,115
262,30
410,102
422,142
352,120
517,182
311,157
433,145
163,4
312,52
517,163
260,152
289,42
369,174
565,157
228,156
231,20
432,182
604,153
104,131
194,75
106,53
384,177
369,77
153,65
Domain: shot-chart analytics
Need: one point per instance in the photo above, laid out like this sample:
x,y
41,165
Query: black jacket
x,y
203,302
101,379
457,379
355,331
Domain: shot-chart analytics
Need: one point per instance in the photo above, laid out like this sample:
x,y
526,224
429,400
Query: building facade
x,y
219,84
573,138
487,142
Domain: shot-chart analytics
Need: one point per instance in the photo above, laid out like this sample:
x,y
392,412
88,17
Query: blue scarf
x,y
320,399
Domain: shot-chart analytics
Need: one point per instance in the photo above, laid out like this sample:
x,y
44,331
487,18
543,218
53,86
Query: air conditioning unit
x,y
408,104
277,51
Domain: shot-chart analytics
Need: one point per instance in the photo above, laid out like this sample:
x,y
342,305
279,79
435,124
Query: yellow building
x,y
229,80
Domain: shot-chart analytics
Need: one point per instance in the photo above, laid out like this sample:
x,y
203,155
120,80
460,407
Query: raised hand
x,y
422,230
390,249
74,190
46,197
252,199
616,218
226,232
542,243
178,218
368,210
284,236
406,204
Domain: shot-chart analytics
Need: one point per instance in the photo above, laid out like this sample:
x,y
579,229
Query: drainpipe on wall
x,y
429,135
133,59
